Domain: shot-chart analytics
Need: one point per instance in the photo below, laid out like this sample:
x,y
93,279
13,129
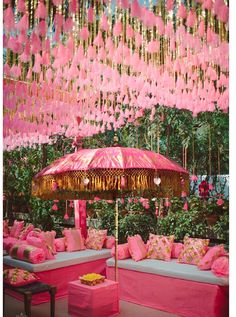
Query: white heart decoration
x,y
86,181
157,181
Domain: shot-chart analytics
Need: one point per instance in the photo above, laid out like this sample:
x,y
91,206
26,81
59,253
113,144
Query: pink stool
x,y
101,300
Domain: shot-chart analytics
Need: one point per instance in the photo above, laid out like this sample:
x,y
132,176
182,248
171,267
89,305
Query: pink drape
x,y
182,297
80,216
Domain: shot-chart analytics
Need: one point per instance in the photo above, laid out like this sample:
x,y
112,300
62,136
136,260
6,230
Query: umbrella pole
x,y
116,240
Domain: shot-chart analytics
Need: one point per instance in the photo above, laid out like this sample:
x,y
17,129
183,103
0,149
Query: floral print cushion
x,y
160,247
18,277
194,250
96,238
211,255
137,248
74,240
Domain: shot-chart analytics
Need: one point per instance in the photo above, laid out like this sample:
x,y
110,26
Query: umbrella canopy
x,y
108,173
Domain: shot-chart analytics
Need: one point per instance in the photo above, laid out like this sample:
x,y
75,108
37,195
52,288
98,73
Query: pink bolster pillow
x,y
27,253
10,241
122,251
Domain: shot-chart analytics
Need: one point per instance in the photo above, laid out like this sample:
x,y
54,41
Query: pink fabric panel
x,y
101,300
80,216
62,276
181,297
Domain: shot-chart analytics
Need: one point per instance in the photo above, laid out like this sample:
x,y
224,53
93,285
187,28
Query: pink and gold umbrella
x,y
111,173
108,173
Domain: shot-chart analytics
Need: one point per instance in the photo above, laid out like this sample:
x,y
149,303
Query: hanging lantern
x,y
54,186
86,181
167,203
54,207
185,206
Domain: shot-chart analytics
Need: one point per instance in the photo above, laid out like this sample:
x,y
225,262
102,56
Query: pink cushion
x,y
122,251
137,248
18,277
27,253
96,238
24,233
39,239
194,250
5,228
159,247
16,229
220,266
60,244
49,237
109,242
73,240
10,241
211,255
177,248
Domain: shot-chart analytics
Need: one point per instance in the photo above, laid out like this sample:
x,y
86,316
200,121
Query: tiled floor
x,y
13,308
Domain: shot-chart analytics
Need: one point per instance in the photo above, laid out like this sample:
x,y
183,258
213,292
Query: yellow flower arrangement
x,y
92,279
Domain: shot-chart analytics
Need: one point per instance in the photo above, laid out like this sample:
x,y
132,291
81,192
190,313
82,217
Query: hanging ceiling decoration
x,y
107,62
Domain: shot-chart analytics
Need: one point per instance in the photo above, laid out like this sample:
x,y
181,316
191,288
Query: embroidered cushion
x,y
18,277
49,237
27,253
177,248
122,251
109,242
44,241
16,229
24,233
73,240
194,250
96,238
220,266
60,244
137,248
211,255
159,247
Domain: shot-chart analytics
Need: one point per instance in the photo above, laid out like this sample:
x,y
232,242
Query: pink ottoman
x,y
101,300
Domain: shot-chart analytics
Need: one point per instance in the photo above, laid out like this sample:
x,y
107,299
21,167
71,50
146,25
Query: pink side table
x,y
101,300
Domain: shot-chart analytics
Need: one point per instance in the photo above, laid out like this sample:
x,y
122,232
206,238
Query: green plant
x,y
132,224
221,228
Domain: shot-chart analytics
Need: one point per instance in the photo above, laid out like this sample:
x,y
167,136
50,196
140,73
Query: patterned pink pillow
x,y
211,255
5,228
60,244
24,233
16,229
109,242
194,250
74,240
18,277
177,248
38,239
159,247
220,267
95,239
137,248
122,251
49,237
